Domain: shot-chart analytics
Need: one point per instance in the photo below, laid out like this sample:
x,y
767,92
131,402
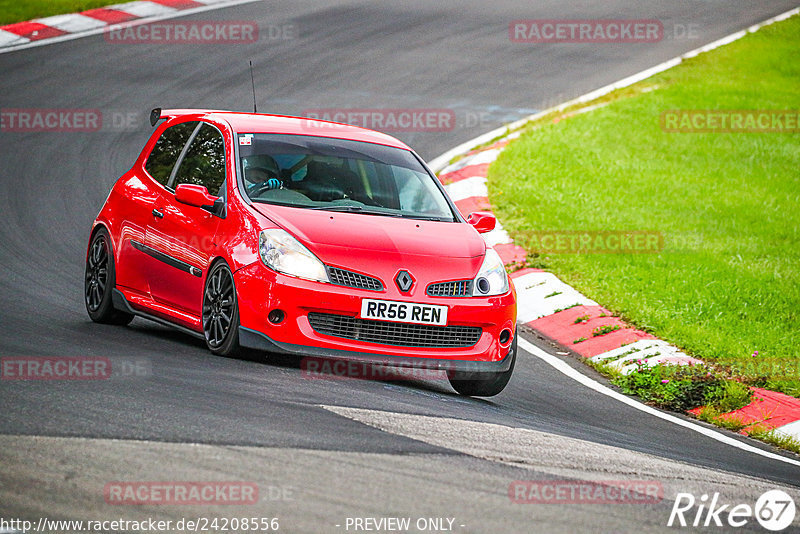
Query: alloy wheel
x,y
218,306
96,273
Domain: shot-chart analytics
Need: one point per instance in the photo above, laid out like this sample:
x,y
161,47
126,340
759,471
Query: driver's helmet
x,y
260,168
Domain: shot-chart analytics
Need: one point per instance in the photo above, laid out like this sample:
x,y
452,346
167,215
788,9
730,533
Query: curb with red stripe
x,y
94,20
552,308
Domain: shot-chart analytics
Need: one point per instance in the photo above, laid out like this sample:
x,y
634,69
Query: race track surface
x,y
346,448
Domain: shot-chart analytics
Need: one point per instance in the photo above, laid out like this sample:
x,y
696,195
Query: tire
x,y
483,384
100,281
221,311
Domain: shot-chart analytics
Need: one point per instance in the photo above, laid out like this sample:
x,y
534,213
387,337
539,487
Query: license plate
x,y
403,312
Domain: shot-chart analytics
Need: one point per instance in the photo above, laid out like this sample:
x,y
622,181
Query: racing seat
x,y
324,182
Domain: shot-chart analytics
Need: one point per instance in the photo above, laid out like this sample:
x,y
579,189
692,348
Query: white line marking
x,y
72,36
439,163
563,368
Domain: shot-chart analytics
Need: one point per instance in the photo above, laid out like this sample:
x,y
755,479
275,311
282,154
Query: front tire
x,y
221,311
100,281
483,384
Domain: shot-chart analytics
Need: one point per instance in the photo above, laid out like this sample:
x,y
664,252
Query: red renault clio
x,y
299,236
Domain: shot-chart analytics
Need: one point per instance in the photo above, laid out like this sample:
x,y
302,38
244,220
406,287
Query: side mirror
x,y
483,221
195,195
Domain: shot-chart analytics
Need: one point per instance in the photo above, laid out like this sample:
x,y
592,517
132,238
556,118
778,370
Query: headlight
x,y
283,253
492,278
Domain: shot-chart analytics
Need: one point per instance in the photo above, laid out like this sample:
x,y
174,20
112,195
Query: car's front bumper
x,y
256,340
261,290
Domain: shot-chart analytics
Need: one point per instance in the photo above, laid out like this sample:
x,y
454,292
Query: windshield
x,y
338,175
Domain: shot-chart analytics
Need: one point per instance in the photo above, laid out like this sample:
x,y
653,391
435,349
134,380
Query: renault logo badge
x,y
404,281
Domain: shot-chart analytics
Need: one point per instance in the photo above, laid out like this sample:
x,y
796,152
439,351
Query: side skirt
x,y
121,303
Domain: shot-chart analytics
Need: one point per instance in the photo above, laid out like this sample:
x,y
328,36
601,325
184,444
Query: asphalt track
x,y
343,448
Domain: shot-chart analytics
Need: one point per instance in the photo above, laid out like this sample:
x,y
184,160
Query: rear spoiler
x,y
156,114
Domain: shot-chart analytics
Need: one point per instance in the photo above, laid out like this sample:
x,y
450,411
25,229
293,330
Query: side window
x,y
204,162
167,149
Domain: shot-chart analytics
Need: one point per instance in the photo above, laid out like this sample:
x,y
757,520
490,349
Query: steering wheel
x,y
268,180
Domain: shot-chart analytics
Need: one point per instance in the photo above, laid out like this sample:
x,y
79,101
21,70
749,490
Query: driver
x,y
261,173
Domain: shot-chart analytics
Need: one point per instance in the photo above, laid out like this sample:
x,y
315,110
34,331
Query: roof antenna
x,y
253,81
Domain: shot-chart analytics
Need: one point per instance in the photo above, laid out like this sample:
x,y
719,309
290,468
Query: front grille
x,y
398,334
340,277
459,288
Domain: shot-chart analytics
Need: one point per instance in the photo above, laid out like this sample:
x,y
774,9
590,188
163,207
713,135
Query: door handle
x,y
158,214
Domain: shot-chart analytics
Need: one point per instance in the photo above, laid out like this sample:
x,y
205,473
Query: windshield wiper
x,y
355,209
427,218
367,211
336,207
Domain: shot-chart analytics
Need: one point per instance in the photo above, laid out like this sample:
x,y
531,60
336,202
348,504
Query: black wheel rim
x,y
218,307
96,273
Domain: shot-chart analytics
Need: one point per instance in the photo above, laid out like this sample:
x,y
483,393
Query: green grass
x,y
682,388
606,329
775,438
727,282
18,11
712,415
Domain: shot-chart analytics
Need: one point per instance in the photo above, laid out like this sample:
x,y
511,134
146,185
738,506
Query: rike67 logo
x,y
774,511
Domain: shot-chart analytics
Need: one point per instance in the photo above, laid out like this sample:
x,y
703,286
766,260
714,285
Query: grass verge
x,y
15,11
725,287
680,388
687,387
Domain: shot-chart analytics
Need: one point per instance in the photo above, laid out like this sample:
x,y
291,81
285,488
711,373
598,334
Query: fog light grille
x,y
341,277
459,288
